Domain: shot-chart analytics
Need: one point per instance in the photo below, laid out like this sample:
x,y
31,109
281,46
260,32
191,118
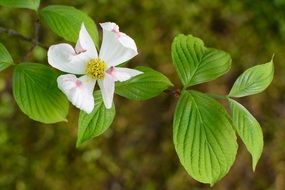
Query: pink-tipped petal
x,y
63,57
79,91
117,47
85,43
122,74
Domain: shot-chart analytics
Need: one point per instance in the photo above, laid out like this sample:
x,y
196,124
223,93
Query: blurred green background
x,y
137,151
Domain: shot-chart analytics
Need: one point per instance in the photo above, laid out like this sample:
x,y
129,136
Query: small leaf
x,y
29,4
95,123
36,93
196,63
144,86
203,136
66,21
253,80
248,129
5,58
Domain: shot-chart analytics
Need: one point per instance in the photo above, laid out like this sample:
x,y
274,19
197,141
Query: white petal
x,y
122,74
63,57
117,47
85,43
110,26
79,91
107,86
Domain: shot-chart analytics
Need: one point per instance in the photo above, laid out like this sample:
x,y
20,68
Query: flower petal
x,y
122,74
85,43
63,57
78,91
107,86
117,47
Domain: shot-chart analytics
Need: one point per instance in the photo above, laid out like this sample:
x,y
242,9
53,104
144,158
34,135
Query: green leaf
x,y
144,86
36,93
29,4
253,80
5,58
95,123
196,63
248,129
66,21
204,137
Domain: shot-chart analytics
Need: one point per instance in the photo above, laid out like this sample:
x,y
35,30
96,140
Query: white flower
x,y
84,60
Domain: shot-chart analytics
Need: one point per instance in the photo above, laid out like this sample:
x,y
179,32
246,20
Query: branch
x,y
14,33
35,40
176,93
173,92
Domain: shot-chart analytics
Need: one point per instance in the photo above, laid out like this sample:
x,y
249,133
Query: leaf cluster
x,y
204,133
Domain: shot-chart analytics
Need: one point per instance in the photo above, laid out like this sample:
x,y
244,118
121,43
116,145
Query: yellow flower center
x,y
96,68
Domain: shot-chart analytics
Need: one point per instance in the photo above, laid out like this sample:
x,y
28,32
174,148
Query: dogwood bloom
x,y
84,60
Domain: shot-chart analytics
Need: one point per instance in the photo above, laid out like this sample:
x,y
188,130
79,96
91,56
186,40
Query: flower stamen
x,y
96,68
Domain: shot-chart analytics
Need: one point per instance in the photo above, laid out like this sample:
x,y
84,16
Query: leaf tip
x,y
170,83
272,57
253,166
254,162
79,142
213,182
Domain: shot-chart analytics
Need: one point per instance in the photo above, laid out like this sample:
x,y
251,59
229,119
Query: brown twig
x,y
14,33
35,40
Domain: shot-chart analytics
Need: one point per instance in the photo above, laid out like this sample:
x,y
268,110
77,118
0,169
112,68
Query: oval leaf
x,y
253,80
203,136
248,129
36,93
144,86
66,21
196,63
29,4
95,123
5,58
